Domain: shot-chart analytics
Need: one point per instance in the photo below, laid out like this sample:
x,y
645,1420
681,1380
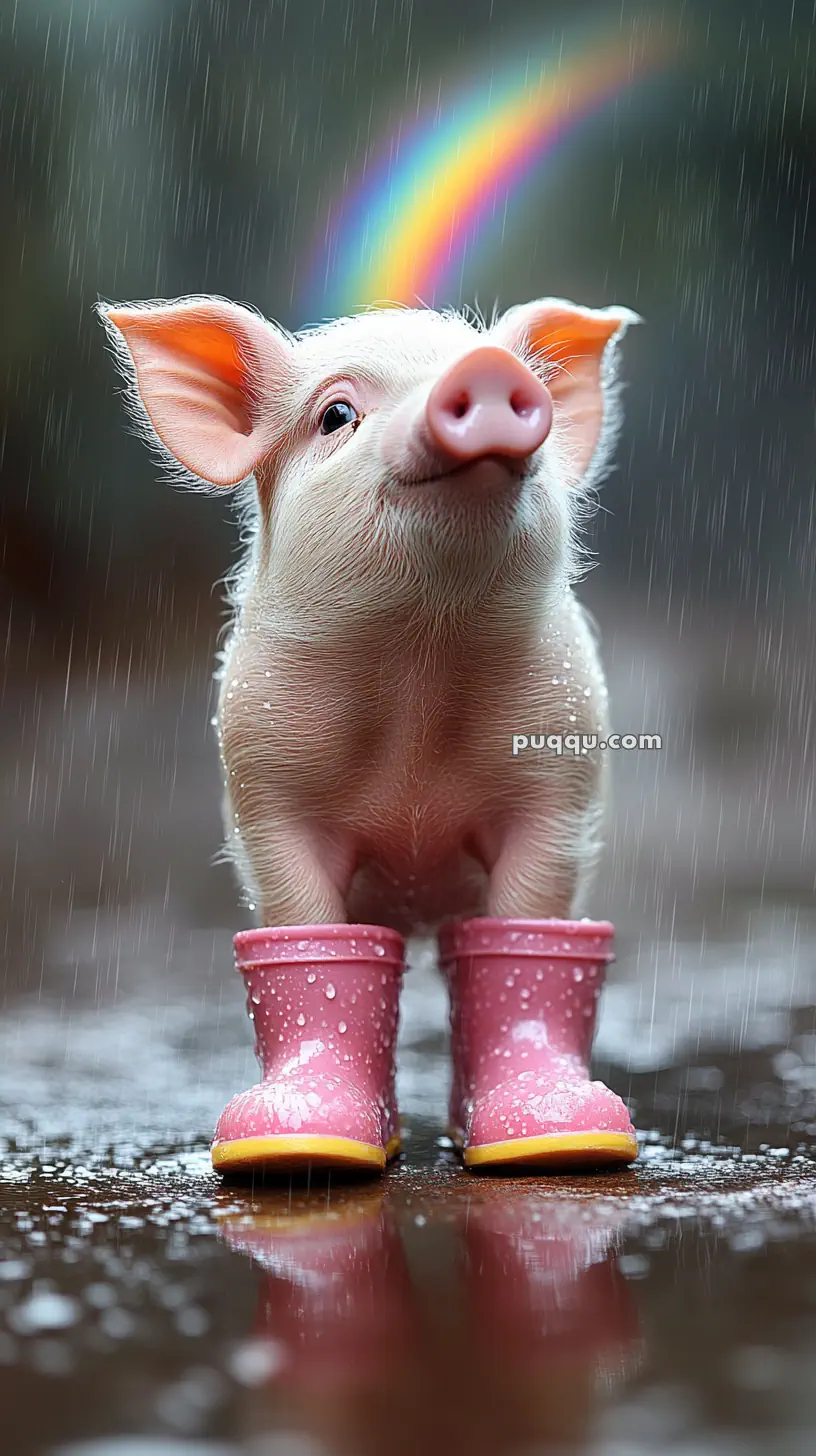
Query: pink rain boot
x,y
325,1003
524,996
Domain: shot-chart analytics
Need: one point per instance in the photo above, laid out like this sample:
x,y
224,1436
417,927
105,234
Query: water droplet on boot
x,y
330,992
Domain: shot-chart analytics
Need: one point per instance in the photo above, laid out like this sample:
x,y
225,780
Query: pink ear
x,y
201,369
573,346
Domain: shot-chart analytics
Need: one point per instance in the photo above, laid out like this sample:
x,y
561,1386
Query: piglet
x,y
413,486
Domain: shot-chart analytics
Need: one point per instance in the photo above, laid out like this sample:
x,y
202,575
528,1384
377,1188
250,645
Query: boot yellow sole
x,y
556,1151
293,1152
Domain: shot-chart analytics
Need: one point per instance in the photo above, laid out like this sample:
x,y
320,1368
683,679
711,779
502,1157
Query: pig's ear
x,y
576,350
201,372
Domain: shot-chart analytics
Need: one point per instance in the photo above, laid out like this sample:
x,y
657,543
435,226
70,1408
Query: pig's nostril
x,y
460,406
521,404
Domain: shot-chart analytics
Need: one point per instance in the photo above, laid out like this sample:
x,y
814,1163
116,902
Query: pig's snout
x,y
489,403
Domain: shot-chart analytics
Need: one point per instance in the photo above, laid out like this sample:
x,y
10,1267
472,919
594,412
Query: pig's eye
x,y
336,416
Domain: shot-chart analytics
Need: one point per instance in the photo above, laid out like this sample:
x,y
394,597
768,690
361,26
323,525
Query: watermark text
x,y
580,743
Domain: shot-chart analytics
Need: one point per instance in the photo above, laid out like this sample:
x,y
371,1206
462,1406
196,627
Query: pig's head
x,y
394,451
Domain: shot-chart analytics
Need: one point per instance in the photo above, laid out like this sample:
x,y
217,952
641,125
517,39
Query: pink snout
x,y
489,403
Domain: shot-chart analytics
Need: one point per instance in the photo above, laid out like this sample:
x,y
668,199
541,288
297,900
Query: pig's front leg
x,y
545,865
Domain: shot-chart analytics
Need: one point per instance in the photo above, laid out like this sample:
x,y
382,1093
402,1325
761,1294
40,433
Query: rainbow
x,y
396,235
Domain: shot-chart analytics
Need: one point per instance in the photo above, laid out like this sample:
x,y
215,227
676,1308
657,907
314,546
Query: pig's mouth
x,y
488,472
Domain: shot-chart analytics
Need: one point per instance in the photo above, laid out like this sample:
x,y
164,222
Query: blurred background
x,y
151,148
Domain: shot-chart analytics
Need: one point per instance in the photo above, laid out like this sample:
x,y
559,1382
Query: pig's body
x,y
407,605
371,774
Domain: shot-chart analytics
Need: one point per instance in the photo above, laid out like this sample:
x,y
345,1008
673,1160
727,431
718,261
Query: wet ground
x,y
145,1307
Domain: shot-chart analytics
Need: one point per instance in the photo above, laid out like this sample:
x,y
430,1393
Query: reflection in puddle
x,y
505,1319
336,1321
551,1316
